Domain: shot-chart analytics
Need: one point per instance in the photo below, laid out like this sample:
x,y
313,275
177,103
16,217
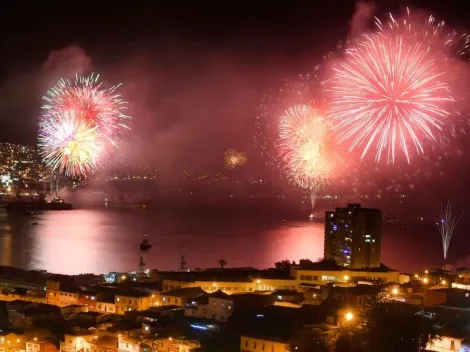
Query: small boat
x,y
144,246
34,223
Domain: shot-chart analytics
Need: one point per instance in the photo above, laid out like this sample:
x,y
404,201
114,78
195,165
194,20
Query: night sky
x,y
193,73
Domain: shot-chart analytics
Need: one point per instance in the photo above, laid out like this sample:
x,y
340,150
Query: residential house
x,y
179,297
132,300
255,344
218,306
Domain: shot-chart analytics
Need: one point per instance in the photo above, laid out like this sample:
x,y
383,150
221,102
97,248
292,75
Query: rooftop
x,y
132,293
211,275
106,341
182,292
330,265
219,294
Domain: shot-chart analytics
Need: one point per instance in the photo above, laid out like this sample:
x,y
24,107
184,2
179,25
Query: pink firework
x,y
392,93
306,147
91,100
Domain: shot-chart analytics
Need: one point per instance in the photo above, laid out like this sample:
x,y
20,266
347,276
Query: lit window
x,y
118,299
164,299
146,328
222,304
229,307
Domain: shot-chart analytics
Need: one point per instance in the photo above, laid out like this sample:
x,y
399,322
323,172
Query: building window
x,y
222,304
118,299
302,277
213,304
262,347
452,345
229,307
254,345
246,343
164,299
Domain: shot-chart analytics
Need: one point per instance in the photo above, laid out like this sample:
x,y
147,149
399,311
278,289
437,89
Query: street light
x,y
395,291
425,280
349,316
443,282
345,277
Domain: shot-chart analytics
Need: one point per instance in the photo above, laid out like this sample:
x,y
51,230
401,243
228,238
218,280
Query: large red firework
x,y
393,91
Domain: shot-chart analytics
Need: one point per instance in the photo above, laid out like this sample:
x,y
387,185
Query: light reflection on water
x,y
83,241
106,240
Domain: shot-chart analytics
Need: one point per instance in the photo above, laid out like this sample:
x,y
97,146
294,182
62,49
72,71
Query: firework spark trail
x,y
234,158
69,144
396,87
446,226
305,147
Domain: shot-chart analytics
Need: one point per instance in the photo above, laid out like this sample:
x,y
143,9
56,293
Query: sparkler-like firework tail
x,y
234,158
70,145
306,148
446,226
395,89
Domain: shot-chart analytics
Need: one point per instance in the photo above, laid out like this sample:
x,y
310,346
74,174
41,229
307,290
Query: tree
x,y
395,327
283,265
222,263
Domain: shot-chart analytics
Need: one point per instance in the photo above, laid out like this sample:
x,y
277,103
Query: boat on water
x,y
144,246
32,206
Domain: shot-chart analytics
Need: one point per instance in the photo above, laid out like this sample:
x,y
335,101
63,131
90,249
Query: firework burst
x,y
234,158
81,120
306,147
394,89
69,144
90,100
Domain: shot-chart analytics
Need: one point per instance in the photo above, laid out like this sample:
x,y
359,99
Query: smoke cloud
x,y
67,62
361,18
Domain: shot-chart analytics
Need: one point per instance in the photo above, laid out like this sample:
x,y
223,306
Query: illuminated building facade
x,y
353,236
253,344
133,301
60,295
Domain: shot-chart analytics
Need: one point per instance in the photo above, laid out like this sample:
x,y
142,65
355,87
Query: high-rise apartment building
x,y
353,236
